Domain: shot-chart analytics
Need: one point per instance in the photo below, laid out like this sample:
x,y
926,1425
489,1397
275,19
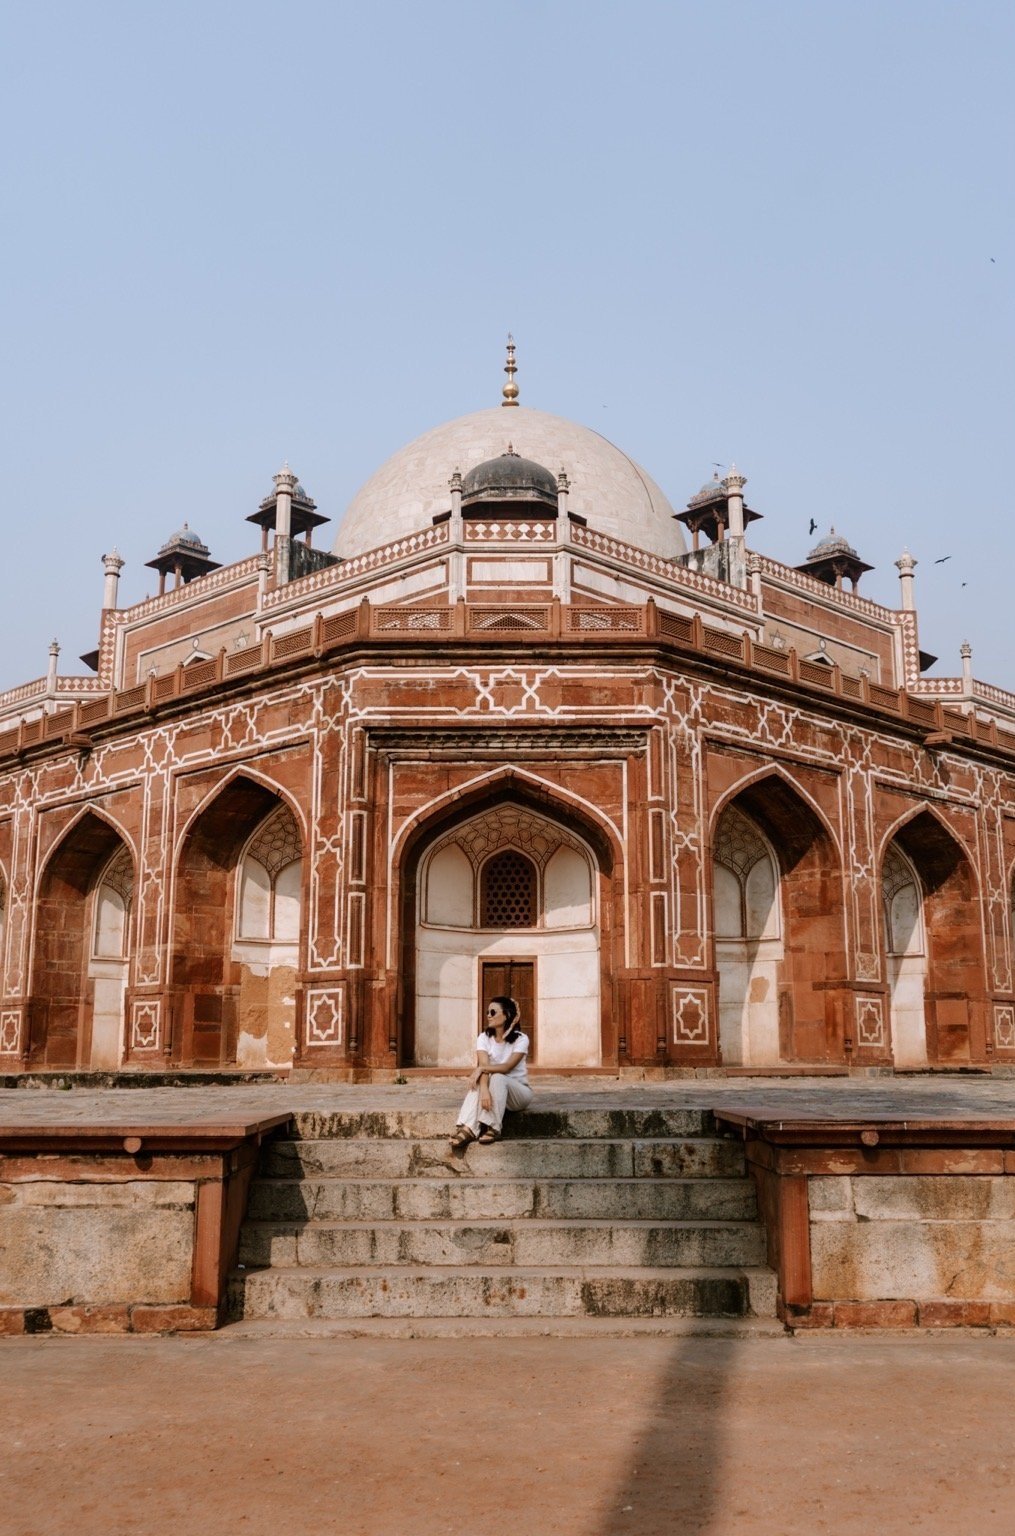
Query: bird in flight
x,y
812,527
942,560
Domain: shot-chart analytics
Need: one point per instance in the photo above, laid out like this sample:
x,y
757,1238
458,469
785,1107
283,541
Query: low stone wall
x,y
125,1229
887,1223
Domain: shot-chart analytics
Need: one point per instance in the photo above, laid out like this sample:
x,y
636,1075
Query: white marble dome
x,y
609,489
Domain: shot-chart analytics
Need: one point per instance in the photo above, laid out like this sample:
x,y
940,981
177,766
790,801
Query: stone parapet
x,y
121,1228
883,1222
485,625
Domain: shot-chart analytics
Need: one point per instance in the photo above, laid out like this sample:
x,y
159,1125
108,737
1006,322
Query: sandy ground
x,y
763,1437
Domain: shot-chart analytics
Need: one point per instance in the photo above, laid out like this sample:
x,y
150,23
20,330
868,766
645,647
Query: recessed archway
x,y
237,931
934,945
81,956
505,889
779,928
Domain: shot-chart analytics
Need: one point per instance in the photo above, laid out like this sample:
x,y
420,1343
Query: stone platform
x,y
881,1203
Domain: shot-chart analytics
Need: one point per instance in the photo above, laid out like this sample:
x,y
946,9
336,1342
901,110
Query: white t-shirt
x,y
499,1053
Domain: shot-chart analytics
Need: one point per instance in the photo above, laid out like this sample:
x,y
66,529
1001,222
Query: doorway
x,y
509,977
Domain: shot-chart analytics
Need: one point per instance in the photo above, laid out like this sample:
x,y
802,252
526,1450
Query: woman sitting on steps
x,y
500,1080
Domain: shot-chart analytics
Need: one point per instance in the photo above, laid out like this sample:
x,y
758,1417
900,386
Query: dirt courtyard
x,y
386,1437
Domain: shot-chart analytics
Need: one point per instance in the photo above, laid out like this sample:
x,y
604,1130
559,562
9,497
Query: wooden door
x,y
511,978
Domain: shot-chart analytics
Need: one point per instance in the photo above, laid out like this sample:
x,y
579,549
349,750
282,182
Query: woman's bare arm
x,y
482,1067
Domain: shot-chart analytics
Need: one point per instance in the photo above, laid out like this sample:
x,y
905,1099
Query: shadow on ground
x,y
673,1479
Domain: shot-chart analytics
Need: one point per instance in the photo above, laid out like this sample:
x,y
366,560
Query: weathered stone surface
x,y
86,1319
462,1293
69,1245
464,1199
533,1243
934,1199
926,1260
831,1199
636,1121
537,1158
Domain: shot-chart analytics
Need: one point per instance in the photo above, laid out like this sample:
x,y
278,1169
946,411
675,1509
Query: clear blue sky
x,y
780,233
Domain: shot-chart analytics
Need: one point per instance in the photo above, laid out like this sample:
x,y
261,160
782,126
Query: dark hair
x,y
510,1008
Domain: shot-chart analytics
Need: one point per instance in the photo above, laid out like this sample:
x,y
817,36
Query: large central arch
x,y
507,890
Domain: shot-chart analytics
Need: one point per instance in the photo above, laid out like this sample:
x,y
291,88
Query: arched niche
x,y
507,900
935,928
748,931
790,988
906,953
83,938
237,931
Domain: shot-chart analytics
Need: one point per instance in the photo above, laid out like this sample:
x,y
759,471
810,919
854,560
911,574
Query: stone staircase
x,y
580,1220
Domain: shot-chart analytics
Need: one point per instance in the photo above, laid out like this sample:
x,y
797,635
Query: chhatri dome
x,y
607,488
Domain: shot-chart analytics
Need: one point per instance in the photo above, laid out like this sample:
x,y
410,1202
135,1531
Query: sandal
x,y
464,1134
486,1136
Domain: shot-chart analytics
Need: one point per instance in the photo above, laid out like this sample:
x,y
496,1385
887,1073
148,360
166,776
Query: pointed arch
x,y
255,777
516,784
234,984
754,781
925,822
939,994
76,1000
783,989
566,955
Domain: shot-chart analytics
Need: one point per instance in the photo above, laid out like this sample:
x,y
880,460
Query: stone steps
x,y
535,1124
531,1242
490,1199
395,1291
608,1219
362,1157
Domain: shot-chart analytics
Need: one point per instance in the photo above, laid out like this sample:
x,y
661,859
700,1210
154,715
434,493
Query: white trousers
x,y
506,1093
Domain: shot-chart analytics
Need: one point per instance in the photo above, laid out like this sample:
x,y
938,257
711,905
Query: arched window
x,y
271,873
746,881
508,891
113,899
900,890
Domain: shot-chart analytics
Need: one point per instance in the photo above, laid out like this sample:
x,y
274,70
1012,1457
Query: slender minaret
x,y
966,652
563,486
54,652
285,484
510,390
112,564
733,485
906,565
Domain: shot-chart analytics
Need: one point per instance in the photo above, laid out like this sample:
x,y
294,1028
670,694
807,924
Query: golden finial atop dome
x,y
510,390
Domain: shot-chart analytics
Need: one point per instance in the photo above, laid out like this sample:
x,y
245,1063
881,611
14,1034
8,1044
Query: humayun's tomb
x,y
524,729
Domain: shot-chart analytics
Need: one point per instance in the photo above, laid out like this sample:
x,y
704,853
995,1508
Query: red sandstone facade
x,y
524,678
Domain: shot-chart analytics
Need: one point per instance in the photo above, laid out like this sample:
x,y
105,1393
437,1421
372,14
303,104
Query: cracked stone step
x,y
529,1244
548,1124
457,1293
566,1159
477,1199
